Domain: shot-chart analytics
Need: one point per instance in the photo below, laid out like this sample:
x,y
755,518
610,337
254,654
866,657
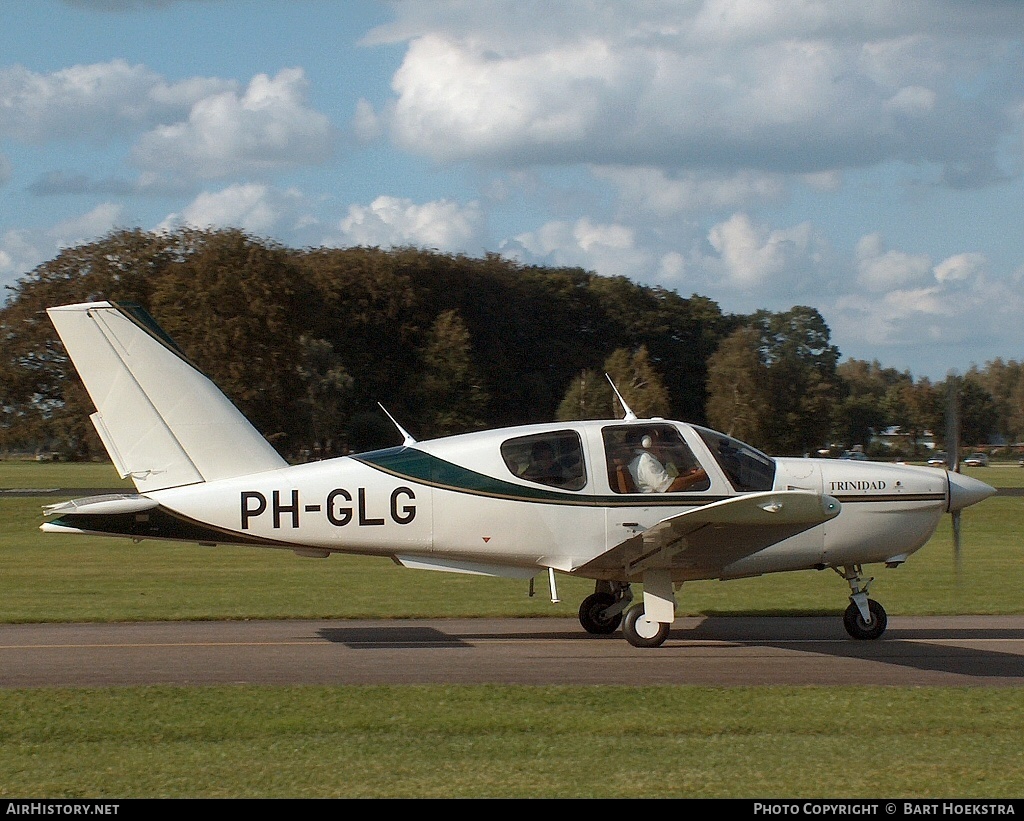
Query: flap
x,y
465,566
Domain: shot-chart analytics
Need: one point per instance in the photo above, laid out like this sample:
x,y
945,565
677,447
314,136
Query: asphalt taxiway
x,y
971,651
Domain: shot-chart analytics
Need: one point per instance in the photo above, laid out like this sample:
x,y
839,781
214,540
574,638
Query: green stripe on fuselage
x,y
415,465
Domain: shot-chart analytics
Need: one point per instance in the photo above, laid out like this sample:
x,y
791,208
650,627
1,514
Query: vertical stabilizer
x,y
162,422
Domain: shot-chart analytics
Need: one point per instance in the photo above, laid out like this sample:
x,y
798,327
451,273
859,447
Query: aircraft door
x,y
651,474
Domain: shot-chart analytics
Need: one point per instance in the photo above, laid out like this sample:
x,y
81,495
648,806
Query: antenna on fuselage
x,y
407,438
629,412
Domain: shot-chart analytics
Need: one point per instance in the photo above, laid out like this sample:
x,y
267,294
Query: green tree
x,y
873,398
450,386
679,334
796,348
368,308
738,388
589,396
43,398
915,408
978,412
327,391
639,382
1004,381
236,306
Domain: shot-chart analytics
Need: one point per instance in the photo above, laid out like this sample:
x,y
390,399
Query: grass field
x,y
305,742
480,741
73,578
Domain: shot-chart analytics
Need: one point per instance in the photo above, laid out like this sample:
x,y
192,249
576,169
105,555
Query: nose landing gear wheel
x,y
855,625
643,633
592,614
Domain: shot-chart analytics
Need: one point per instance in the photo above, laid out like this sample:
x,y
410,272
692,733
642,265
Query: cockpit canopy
x,y
638,458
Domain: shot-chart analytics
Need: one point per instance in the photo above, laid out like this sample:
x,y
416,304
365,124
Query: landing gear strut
x,y
601,611
864,619
646,624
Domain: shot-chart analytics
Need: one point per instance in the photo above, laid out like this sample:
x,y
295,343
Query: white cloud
x,y
393,221
774,86
610,248
961,268
912,100
879,269
931,314
890,271
254,208
663,194
197,128
88,226
754,256
19,254
266,128
366,124
21,250
93,101
458,101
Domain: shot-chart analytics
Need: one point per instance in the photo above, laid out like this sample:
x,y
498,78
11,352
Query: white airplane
x,y
621,501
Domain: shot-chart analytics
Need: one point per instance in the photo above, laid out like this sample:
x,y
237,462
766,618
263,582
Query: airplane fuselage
x,y
456,504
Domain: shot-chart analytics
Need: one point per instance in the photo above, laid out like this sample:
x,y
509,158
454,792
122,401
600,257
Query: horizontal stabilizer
x,y
108,503
161,421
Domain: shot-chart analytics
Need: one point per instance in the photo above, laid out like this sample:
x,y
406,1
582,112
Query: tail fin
x,y
162,422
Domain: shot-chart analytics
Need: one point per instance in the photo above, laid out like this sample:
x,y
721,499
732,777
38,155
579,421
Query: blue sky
x,y
861,158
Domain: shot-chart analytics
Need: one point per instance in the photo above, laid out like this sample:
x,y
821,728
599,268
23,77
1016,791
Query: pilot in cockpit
x,y
650,475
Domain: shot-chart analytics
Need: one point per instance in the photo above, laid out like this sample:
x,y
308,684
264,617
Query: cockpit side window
x,y
651,459
554,459
746,467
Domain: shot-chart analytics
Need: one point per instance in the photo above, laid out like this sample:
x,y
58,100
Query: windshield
x,y
746,467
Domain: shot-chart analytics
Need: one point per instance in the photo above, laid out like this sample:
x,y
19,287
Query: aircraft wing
x,y
713,536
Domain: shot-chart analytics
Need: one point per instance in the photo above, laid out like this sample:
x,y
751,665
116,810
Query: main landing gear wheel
x,y
592,614
855,625
643,633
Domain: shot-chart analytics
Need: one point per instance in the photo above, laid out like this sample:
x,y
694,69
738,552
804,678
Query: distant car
x,y
856,455
977,460
939,459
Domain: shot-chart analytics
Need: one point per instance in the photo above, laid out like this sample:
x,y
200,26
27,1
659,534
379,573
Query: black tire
x,y
629,629
855,625
591,616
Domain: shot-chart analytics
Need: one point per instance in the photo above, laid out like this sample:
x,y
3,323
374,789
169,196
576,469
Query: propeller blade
x,y
956,541
952,422
953,454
